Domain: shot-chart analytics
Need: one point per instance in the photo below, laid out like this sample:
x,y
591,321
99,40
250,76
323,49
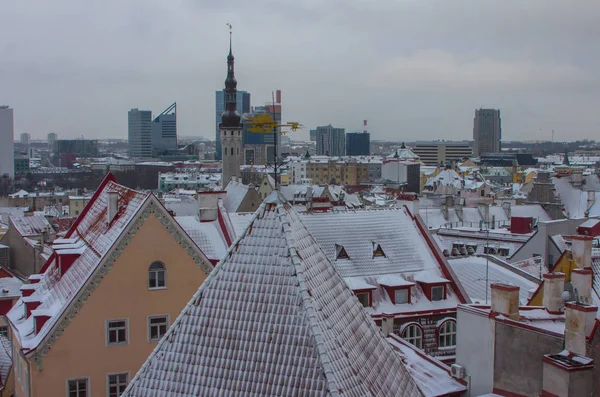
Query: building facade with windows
x,y
487,131
85,324
140,133
358,144
442,152
164,131
331,141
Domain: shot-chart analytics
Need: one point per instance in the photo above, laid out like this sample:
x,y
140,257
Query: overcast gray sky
x,y
415,69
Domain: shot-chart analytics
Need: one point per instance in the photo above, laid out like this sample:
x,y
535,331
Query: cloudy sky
x,y
416,69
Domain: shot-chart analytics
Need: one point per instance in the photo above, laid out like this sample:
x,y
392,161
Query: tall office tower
x,y
140,133
313,135
259,148
7,137
487,131
164,130
25,139
52,137
358,144
230,129
331,141
243,104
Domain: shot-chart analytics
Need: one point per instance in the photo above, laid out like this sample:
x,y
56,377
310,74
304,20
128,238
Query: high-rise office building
x,y
52,137
487,131
331,141
230,128
7,137
259,147
313,135
243,105
358,144
140,133
164,130
25,139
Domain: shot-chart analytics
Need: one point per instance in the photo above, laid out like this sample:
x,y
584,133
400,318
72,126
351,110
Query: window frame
x,y
367,293
107,332
443,333
409,326
88,380
127,373
149,326
443,287
404,290
156,272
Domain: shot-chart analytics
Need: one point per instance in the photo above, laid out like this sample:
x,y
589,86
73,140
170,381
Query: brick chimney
x,y
554,286
581,279
581,248
579,322
505,300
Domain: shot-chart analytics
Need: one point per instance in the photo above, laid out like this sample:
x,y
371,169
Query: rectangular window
x,y
4,331
363,297
78,387
437,293
116,332
401,296
117,383
158,327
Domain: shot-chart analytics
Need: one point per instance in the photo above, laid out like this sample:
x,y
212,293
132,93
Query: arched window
x,y
413,334
157,275
447,334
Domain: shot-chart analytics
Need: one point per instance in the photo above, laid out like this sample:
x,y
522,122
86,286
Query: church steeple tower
x,y
231,117
230,129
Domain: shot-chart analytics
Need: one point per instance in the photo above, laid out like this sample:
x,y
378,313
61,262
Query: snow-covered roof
x,y
20,194
181,205
93,237
575,200
404,153
471,272
10,287
589,223
236,191
432,376
207,235
33,225
274,318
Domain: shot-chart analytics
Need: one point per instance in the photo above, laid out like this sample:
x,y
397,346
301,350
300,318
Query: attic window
x,y
340,252
377,250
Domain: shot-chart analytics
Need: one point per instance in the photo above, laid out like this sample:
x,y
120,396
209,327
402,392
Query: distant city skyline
x,y
414,70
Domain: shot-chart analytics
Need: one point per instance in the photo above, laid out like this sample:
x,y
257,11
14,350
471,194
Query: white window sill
x,y
157,288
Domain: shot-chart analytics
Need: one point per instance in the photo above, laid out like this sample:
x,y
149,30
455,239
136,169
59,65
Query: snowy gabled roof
x,y
10,287
207,235
274,318
31,225
93,238
236,192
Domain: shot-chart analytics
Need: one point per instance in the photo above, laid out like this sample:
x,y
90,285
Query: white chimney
x,y
579,322
208,205
387,324
554,286
505,300
581,279
113,205
581,248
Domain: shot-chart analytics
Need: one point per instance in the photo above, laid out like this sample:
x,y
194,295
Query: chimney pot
x,y
581,279
579,322
581,249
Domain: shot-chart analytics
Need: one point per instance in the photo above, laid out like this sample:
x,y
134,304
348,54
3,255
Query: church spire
x,y
231,117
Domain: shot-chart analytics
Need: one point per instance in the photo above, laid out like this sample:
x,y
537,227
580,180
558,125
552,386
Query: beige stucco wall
x,y
81,350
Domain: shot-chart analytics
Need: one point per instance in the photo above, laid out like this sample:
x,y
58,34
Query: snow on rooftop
x,y
274,318
236,192
391,280
432,376
590,223
207,235
10,287
31,225
471,272
429,277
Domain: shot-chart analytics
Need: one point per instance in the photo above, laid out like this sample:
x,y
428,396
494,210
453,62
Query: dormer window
x,y
377,250
401,296
340,252
364,298
434,287
362,290
438,293
397,287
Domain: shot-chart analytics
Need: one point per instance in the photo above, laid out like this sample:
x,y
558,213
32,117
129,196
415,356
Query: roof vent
x,y
113,205
377,250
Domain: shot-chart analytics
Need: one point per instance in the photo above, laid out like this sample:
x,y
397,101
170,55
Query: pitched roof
x,y
93,238
208,236
236,192
273,319
30,225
